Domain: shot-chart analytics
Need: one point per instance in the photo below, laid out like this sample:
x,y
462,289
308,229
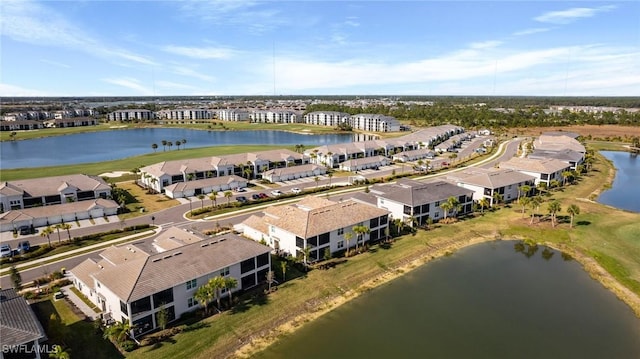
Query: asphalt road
x,y
174,216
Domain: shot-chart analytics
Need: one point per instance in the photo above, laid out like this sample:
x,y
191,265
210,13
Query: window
x,y
192,284
340,231
123,308
224,272
437,203
191,302
163,297
140,305
247,265
340,244
262,260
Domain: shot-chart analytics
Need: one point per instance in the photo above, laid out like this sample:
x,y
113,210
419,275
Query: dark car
x,y
25,230
242,199
255,196
263,195
23,247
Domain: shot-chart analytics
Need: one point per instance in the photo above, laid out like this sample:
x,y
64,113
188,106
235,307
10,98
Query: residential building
x,y
51,190
275,116
159,175
71,122
131,283
486,183
205,186
326,118
413,155
20,125
415,202
544,171
317,224
131,115
235,115
573,158
184,114
294,172
20,330
358,164
374,123
555,142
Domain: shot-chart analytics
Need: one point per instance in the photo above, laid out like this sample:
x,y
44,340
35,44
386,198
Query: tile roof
x,y
562,155
38,187
19,324
142,277
314,216
558,143
293,169
413,193
365,161
497,178
205,182
57,209
533,165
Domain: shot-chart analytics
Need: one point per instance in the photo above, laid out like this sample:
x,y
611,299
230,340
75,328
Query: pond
x,y
118,144
625,190
493,300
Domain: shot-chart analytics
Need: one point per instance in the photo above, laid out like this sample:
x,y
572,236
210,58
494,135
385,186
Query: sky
x,y
250,47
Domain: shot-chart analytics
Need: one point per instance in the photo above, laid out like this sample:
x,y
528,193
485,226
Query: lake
x,y
492,300
625,190
118,144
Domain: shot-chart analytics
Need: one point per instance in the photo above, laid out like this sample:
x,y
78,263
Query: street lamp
x,y
153,220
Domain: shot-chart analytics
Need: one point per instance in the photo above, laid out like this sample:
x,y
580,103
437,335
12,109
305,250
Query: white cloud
x,y
531,31
55,63
187,71
130,83
250,15
485,44
174,85
33,23
11,90
570,15
201,52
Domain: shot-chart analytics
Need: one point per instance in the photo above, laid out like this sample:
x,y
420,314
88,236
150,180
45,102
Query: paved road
x,y
175,217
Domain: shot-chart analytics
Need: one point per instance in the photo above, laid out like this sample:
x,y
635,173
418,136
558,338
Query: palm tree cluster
x,y
213,290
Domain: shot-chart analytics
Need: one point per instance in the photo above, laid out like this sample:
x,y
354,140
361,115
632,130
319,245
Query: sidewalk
x,y
90,248
66,290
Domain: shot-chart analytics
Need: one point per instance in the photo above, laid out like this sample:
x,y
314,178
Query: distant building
x,y
185,114
326,118
235,115
485,183
131,115
374,123
275,116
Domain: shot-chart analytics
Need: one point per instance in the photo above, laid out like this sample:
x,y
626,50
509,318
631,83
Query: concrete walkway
x,y
78,302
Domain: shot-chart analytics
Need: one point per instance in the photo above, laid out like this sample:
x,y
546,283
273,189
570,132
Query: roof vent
x,y
204,245
156,260
177,254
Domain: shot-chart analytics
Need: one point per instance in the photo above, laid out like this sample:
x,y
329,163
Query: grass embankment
x,y
51,132
127,164
609,235
72,332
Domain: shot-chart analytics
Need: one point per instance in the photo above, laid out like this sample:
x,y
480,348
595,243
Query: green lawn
x,y
611,236
127,164
75,333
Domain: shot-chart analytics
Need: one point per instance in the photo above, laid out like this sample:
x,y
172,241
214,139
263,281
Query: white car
x,y
276,192
6,251
296,190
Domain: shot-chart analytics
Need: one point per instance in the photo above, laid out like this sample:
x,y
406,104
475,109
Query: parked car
x,y
296,190
276,192
240,189
58,296
23,247
242,199
5,251
263,195
255,196
25,230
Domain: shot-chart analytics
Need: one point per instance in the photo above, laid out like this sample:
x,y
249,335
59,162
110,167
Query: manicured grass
x,y
76,334
127,164
85,299
150,202
50,132
609,235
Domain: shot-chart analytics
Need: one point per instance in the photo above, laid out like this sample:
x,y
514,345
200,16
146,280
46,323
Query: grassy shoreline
x,y
299,301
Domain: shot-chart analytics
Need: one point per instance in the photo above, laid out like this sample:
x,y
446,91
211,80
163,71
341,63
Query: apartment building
x,y
326,118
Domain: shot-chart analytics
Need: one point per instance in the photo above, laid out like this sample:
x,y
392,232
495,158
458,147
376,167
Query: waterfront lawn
x,y
72,332
608,234
127,164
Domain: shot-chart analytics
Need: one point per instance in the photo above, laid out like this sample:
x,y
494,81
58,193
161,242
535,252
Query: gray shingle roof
x,y
18,322
38,187
413,193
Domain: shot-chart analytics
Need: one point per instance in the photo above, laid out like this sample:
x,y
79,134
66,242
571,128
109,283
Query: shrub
x,y
128,345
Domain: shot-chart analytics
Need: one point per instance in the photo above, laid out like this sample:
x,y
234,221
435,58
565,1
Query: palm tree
x,y
201,197
455,205
446,207
360,231
178,143
247,171
524,189
554,208
228,195
497,198
13,135
59,353
330,174
347,237
66,227
230,283
169,143
212,197
524,201
573,211
554,183
154,146
316,179
119,331
184,143
204,295
57,227
535,203
164,145
47,233
566,176
483,202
